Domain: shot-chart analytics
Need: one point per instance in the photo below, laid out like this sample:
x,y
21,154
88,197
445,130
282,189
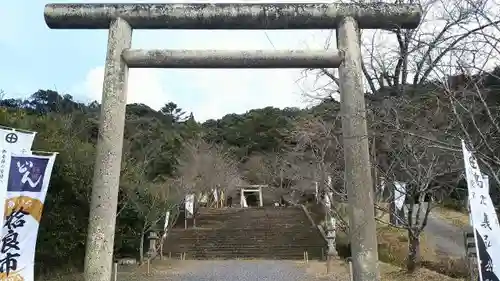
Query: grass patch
x,y
127,272
457,218
388,272
393,249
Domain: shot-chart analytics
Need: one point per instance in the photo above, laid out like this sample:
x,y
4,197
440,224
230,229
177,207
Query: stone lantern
x,y
153,240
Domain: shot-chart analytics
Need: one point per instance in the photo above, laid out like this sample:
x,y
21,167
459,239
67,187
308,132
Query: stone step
x,y
228,256
246,243
259,230
293,254
247,248
244,240
269,232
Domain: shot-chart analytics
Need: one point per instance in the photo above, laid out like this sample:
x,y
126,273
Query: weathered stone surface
x,y
232,16
268,232
102,216
232,59
358,177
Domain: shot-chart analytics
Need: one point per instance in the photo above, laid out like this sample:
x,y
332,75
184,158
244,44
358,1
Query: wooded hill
x,y
414,135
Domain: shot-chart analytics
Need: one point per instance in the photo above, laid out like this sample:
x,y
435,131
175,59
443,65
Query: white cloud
x,y
213,93
223,91
144,86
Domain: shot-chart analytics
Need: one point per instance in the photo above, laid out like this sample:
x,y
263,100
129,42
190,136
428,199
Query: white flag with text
x,y
189,205
399,194
26,179
484,220
12,140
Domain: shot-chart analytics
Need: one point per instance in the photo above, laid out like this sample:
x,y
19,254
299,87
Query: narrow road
x,y
447,237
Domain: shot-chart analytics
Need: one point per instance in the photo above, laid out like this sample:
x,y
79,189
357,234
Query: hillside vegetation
x,y
414,136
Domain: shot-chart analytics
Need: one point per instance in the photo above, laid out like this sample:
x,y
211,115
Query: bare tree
x,y
410,134
205,167
398,58
419,167
415,125
318,142
278,169
474,105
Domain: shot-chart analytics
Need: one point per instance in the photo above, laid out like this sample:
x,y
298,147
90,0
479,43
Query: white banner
x,y
243,201
328,199
399,194
382,186
165,225
215,194
189,205
11,140
16,141
26,178
484,220
316,191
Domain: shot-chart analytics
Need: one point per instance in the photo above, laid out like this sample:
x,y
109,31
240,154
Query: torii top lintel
x,y
232,16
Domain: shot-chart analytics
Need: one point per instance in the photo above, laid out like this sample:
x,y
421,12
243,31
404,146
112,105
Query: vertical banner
x,y
222,198
165,225
328,200
316,191
27,181
243,200
484,220
398,215
16,141
12,140
215,194
399,194
189,205
382,189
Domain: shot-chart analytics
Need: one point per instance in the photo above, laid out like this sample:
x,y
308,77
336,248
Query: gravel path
x,y
243,270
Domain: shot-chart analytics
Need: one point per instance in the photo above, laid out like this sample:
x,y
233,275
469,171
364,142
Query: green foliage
x,y
262,141
153,143
258,130
152,147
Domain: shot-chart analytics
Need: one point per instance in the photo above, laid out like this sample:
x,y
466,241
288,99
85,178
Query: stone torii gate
x,y
121,19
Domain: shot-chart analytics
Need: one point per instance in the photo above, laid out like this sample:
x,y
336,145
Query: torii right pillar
x,y
358,177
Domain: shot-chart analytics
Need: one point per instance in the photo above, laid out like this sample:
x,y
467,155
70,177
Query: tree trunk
x,y
413,252
141,248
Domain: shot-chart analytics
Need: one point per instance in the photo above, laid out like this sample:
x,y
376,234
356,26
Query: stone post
x,y
104,201
358,177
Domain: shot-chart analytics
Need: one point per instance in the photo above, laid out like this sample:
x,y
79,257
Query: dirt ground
x,y
175,270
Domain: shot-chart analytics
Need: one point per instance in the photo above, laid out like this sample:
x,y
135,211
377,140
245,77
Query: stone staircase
x,y
231,233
